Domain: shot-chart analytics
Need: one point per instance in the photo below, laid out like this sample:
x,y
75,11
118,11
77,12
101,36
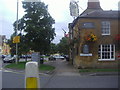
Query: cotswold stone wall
x,y
92,61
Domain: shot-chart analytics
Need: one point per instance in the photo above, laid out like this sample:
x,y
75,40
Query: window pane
x,y
108,55
99,55
112,48
108,49
112,55
105,27
103,57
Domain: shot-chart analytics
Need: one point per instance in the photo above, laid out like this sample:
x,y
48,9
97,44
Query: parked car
x,y
58,57
28,56
25,56
2,56
51,58
66,57
55,57
9,59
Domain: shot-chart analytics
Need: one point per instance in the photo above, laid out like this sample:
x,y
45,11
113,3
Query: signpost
x,y
36,57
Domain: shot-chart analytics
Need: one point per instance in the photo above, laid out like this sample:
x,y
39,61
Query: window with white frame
x,y
106,52
105,28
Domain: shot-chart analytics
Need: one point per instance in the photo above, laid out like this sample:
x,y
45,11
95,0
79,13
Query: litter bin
x,y
41,60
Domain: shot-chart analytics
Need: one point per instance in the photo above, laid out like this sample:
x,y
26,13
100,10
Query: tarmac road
x,y
64,76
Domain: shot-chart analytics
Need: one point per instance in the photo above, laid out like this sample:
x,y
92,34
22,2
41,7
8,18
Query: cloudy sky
x,y
59,10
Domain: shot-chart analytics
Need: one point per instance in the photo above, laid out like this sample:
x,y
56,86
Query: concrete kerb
x,y
99,74
23,71
81,73
51,72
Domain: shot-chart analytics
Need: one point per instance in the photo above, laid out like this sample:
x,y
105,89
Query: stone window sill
x,y
82,54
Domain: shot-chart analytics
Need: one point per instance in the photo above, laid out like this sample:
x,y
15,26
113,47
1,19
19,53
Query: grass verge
x,y
21,66
99,70
44,67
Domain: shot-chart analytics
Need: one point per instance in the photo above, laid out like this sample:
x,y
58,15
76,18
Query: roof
x,y
90,10
101,14
98,14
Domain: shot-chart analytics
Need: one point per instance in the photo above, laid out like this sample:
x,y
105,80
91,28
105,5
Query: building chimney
x,y
93,4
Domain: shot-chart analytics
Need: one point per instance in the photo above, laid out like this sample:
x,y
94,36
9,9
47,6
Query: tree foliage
x,y
53,48
63,46
35,28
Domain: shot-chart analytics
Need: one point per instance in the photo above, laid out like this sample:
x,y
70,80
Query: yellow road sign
x,y
16,39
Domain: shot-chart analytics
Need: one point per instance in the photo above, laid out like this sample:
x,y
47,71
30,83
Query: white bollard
x,y
32,76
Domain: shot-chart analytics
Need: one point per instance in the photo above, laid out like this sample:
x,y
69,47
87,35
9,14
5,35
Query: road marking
x,y
19,72
3,70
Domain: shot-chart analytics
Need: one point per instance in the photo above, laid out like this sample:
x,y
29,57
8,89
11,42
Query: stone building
x,y
4,47
92,38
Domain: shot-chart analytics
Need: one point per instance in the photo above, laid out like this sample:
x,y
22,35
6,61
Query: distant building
x,y
4,47
0,44
92,38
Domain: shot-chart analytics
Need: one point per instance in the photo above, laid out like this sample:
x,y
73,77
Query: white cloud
x,y
109,4
8,10
57,39
58,9
6,27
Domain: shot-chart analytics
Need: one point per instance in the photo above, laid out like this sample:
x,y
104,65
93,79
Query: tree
x,y
53,48
63,46
35,28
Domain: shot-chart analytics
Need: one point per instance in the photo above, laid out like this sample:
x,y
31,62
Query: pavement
x,y
63,68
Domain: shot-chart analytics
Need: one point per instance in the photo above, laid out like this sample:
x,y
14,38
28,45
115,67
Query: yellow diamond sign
x,y
16,39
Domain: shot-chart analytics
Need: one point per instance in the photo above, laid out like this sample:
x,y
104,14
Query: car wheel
x,y
13,61
9,61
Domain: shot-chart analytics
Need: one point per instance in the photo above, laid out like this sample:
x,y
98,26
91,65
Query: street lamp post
x,y
17,33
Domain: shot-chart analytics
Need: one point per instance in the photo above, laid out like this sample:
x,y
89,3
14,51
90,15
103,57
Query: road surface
x,y
63,77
